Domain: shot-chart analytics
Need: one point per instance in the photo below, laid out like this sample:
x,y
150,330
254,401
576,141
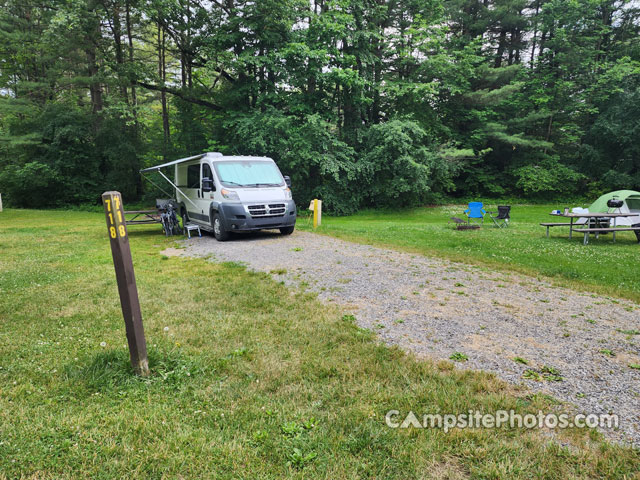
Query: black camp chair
x,y
502,218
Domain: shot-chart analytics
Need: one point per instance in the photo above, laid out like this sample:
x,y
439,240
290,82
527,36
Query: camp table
x,y
597,216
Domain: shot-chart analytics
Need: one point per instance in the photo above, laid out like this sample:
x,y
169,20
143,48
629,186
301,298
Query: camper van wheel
x,y
287,230
218,229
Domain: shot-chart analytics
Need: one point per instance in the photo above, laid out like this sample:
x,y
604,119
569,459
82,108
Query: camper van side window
x,y
193,176
206,171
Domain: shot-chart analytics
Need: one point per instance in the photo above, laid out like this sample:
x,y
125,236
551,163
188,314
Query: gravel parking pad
x,y
509,324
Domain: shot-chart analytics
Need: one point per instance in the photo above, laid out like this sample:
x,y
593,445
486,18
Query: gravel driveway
x,y
435,308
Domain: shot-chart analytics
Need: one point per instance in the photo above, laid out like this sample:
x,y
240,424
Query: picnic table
x,y
600,226
142,217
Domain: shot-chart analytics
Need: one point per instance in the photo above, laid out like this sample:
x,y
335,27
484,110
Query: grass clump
x,y
546,373
111,370
459,357
629,332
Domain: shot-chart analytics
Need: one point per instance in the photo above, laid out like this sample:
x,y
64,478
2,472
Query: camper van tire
x,y
184,215
219,231
287,230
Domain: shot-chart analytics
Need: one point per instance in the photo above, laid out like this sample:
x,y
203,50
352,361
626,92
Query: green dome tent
x,y
631,204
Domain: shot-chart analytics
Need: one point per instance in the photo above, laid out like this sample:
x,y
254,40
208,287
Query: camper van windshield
x,y
249,173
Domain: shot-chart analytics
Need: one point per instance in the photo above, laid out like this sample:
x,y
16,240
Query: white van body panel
x,y
261,195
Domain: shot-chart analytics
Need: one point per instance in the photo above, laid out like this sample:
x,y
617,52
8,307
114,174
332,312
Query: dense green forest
x,y
363,102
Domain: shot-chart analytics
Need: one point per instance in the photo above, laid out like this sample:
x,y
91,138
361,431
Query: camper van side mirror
x,y
207,185
287,180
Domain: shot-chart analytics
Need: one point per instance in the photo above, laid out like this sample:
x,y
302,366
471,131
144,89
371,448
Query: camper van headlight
x,y
287,193
229,194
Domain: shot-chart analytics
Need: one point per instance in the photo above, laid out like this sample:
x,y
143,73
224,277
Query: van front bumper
x,y
236,218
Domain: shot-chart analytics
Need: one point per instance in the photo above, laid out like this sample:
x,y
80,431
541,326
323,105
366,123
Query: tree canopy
x,y
362,102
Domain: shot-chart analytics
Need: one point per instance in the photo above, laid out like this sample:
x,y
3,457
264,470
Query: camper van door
x,y
190,173
205,197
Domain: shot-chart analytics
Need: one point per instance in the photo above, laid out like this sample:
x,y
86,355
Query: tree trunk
x,y
95,90
543,39
134,99
92,36
501,48
548,136
117,38
162,74
535,35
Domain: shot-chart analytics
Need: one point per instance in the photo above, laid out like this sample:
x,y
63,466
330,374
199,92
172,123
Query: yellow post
x,y
315,213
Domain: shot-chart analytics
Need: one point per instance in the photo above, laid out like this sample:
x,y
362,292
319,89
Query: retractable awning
x,y
175,162
157,168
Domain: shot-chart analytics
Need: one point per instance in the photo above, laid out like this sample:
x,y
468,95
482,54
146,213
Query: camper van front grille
x,y
271,210
277,208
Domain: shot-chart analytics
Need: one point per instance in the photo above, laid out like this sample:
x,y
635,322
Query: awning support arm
x,y
176,187
157,186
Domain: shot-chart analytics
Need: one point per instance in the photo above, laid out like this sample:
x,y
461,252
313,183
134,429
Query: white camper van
x,y
225,194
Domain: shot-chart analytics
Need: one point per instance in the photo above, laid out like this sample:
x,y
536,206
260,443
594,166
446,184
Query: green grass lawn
x,y
602,266
249,379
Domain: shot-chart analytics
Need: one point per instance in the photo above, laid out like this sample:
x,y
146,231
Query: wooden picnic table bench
x,y
598,230
549,225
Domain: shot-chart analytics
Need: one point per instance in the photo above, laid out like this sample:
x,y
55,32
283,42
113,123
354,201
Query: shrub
x,y
401,166
547,177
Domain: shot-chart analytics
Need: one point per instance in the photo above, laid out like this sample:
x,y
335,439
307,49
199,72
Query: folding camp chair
x,y
476,212
503,216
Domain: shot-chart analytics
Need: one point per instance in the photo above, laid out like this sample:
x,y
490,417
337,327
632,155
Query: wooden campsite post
x,y
121,252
